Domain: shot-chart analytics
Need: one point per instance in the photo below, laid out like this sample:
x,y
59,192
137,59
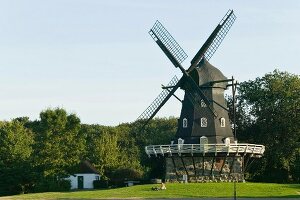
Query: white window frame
x,y
203,122
184,123
222,122
202,103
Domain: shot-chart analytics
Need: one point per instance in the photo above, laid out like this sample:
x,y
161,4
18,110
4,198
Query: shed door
x,y
80,182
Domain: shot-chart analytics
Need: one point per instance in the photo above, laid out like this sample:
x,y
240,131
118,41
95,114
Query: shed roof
x,y
86,167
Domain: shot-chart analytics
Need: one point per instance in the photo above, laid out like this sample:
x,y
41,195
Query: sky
x,y
96,59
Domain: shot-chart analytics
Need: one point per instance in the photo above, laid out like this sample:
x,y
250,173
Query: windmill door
x,y
80,182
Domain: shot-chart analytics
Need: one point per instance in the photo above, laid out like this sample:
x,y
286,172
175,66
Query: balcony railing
x,y
205,149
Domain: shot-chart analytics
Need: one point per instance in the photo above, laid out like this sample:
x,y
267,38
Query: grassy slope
x,y
191,190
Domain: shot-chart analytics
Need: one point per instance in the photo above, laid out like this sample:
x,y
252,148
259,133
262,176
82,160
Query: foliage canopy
x,y
35,155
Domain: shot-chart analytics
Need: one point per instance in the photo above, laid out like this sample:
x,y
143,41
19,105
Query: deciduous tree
x,y
15,157
59,144
272,105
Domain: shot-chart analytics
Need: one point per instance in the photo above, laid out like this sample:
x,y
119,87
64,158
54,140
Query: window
x,y
203,104
97,178
222,121
203,122
184,123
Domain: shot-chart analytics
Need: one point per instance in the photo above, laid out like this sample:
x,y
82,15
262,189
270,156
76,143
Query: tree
x,y
272,106
107,152
15,157
59,145
158,131
111,148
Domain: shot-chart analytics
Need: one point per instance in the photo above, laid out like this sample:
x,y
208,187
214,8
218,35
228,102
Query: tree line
x,y
37,155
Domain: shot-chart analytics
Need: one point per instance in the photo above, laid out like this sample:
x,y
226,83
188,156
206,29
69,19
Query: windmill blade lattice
x,y
177,55
167,43
157,103
214,40
226,24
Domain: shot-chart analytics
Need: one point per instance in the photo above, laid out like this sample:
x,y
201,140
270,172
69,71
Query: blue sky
x,y
96,59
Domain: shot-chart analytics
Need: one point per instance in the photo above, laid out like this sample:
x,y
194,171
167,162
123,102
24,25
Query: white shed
x,y
85,176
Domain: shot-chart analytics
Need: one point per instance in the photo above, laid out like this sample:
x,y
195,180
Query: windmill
x,y
204,140
194,93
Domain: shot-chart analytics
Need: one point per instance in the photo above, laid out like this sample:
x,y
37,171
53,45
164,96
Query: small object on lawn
x,y
163,186
155,188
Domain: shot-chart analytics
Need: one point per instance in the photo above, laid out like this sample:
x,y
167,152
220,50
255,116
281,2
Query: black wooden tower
x,y
197,120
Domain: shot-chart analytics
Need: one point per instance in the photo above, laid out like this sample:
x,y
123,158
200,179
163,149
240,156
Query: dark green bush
x,y
10,189
98,184
126,174
52,185
119,176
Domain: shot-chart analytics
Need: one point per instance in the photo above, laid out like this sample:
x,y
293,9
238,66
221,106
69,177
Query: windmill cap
x,y
208,74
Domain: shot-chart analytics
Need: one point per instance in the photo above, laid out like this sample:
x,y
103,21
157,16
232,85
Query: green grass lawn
x,y
177,190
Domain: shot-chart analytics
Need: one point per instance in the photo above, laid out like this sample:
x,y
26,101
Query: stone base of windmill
x,y
206,162
204,169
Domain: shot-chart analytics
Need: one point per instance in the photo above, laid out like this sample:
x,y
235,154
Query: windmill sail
x,y
177,55
167,43
225,24
160,100
214,40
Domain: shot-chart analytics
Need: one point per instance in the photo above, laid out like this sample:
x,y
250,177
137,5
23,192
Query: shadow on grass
x,y
297,186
